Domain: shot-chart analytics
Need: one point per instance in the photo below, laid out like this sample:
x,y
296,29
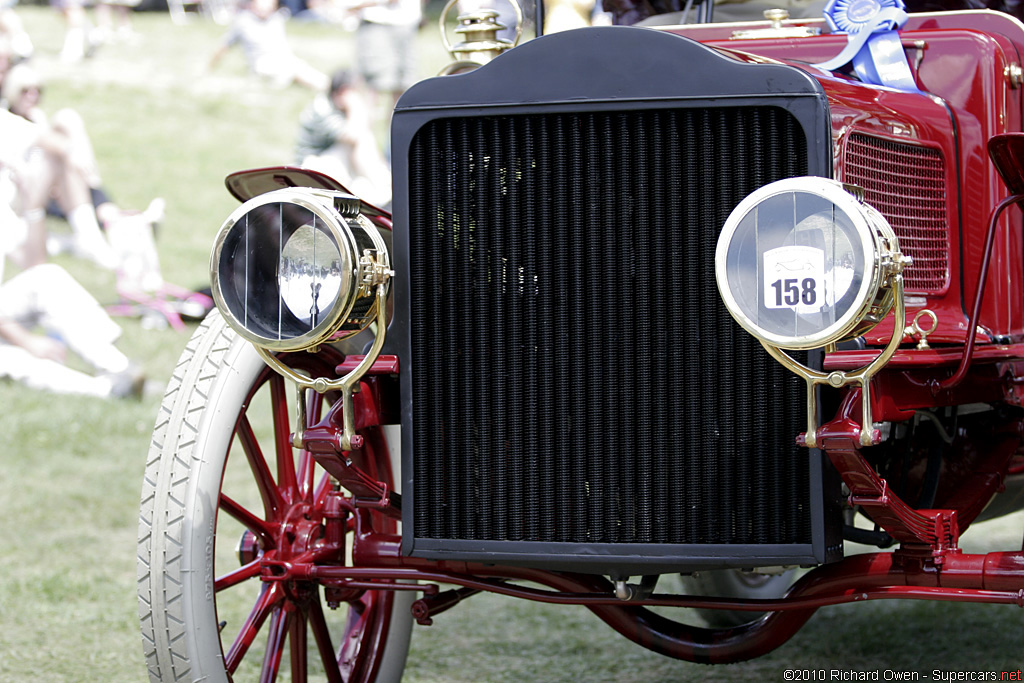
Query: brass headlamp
x,y
805,263
802,263
299,267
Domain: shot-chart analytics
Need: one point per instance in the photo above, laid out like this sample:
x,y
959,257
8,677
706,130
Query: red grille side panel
x,y
906,184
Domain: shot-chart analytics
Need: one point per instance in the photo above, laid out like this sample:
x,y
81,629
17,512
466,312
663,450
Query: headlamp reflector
x,y
310,275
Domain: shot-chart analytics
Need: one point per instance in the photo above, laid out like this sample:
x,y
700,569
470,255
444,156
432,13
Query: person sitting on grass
x,y
335,138
48,299
54,161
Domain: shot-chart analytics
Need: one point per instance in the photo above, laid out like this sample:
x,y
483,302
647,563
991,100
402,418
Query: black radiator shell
x,y
595,71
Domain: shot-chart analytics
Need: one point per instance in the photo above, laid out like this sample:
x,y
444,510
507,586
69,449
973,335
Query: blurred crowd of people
x,y
49,171
47,165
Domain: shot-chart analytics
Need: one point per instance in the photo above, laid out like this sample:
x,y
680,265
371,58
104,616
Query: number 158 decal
x,y
793,278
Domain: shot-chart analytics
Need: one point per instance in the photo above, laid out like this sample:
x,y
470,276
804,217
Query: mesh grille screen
x,y
907,185
576,378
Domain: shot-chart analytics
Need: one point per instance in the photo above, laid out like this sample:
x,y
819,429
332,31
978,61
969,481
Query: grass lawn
x,y
71,468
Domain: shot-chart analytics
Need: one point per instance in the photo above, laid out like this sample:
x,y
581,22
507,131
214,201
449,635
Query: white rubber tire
x,y
194,428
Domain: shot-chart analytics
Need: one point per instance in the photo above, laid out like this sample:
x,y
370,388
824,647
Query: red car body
x,y
548,301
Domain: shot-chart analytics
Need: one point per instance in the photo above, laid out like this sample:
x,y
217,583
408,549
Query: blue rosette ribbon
x,y
873,43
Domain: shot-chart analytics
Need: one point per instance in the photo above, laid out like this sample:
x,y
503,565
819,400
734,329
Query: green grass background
x,y
71,468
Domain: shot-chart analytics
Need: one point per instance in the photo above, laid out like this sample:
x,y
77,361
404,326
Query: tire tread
x,y
162,509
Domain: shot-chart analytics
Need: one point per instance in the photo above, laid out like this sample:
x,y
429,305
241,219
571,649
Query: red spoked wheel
x,y
226,499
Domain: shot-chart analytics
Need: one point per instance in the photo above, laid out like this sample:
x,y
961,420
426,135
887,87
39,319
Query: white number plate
x,y
794,278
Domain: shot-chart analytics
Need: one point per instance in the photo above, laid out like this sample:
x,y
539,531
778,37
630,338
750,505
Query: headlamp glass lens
x,y
281,272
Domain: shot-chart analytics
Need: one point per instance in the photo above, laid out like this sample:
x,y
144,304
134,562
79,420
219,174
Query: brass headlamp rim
x,y
877,242
323,205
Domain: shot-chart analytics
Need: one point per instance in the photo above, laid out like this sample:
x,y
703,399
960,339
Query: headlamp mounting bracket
x,y
347,385
837,379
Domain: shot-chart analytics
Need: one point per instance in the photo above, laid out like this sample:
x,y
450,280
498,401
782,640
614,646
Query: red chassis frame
x,y
927,566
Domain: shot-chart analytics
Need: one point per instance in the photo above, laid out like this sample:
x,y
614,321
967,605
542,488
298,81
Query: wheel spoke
x,y
323,487
272,502
322,635
233,578
269,596
275,644
259,527
283,440
305,475
297,639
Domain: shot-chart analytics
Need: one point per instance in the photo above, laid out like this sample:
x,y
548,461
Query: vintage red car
x,y
693,301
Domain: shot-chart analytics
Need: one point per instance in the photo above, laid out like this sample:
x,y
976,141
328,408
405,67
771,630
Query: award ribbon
x,y
873,43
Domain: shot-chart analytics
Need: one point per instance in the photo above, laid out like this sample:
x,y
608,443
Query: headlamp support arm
x,y
838,378
347,385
